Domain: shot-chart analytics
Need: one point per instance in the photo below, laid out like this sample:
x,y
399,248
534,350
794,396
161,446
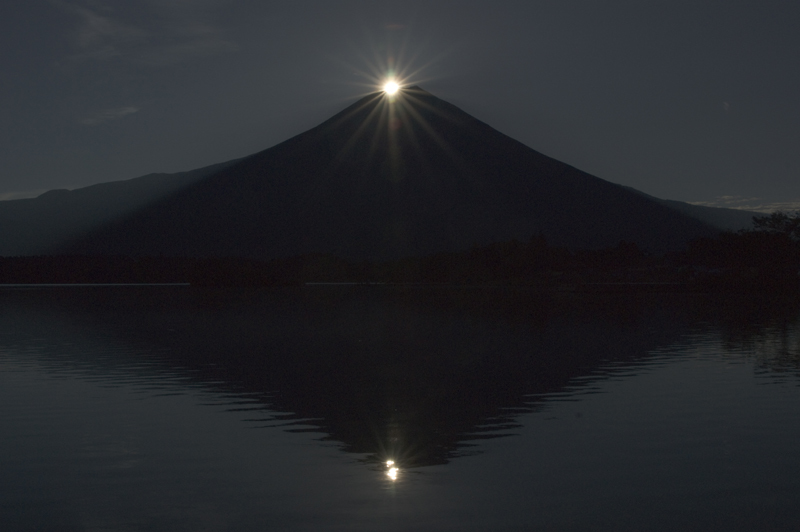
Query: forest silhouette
x,y
766,257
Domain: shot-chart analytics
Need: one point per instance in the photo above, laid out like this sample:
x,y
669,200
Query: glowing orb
x,y
391,88
392,470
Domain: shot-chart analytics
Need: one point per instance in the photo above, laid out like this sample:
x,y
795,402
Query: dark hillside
x,y
387,177
45,223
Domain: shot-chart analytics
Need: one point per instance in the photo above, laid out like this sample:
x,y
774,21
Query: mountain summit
x,y
387,177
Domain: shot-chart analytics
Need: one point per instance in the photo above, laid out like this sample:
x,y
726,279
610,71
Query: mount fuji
x,y
387,177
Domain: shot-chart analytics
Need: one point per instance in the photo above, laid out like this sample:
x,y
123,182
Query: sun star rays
x,y
395,129
391,87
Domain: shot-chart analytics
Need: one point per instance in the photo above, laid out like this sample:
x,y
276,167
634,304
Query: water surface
x,y
172,408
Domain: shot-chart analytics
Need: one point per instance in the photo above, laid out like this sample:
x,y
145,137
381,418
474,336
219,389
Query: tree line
x,y
765,257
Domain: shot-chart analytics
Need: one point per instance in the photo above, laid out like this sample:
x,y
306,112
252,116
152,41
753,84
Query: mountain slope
x,y
719,217
722,218
43,224
385,178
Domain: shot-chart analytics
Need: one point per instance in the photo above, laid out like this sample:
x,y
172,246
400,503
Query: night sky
x,y
687,100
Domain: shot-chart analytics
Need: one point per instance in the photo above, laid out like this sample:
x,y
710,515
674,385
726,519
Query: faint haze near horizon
x,y
681,100
750,204
726,202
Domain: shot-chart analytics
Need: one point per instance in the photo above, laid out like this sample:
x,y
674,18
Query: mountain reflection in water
x,y
408,377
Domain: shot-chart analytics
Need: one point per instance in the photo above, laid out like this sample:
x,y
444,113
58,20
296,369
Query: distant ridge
x,y
719,217
384,178
42,225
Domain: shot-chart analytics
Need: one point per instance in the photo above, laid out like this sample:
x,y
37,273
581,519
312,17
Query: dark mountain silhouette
x,y
41,225
387,177
719,217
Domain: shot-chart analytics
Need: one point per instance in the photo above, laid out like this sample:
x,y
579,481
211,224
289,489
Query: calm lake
x,y
382,408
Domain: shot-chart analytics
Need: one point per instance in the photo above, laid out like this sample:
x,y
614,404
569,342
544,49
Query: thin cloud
x,y
99,36
751,204
169,55
98,30
189,6
109,114
175,33
22,194
188,40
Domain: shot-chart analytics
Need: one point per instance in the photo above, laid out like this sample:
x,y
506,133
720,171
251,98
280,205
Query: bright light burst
x,y
392,471
397,107
393,65
391,87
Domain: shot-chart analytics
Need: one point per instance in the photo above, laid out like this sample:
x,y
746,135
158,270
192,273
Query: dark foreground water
x,y
172,408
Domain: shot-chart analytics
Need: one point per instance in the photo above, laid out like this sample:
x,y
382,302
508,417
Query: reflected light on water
x,y
392,470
